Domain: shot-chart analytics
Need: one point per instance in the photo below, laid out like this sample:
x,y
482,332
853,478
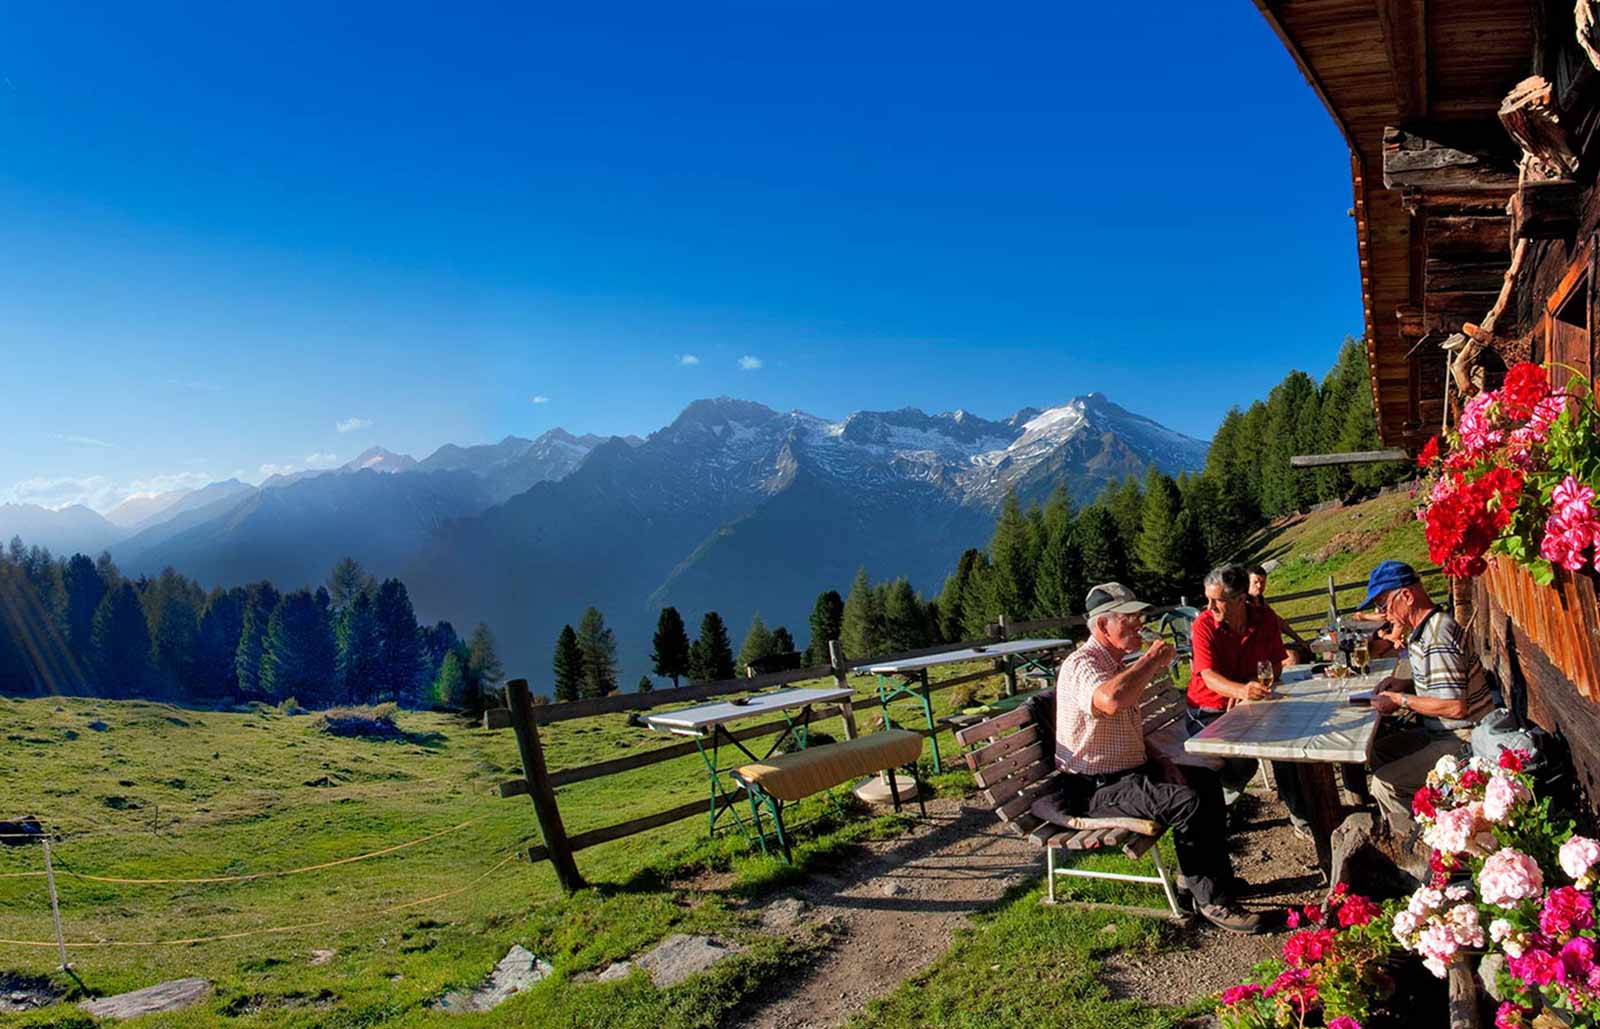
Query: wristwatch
x,y
1405,701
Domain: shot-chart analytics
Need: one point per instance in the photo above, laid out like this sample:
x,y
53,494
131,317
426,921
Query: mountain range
x,y
733,507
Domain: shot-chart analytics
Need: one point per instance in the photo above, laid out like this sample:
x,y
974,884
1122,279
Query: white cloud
x,y
94,491
688,359
269,470
167,483
539,398
748,363
88,441
321,460
352,424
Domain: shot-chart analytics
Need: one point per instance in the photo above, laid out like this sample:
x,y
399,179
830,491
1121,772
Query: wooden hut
x,y
1471,126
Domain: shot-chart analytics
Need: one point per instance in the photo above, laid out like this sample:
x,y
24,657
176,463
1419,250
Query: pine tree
x,y
1013,555
951,626
398,647
450,687
980,607
827,614
1160,544
1059,591
297,654
359,650
1126,504
711,656
346,581
861,626
598,645
120,640
260,600
484,670
1105,559
433,644
645,685
84,590
782,642
172,612
904,618
670,658
567,667
221,624
757,643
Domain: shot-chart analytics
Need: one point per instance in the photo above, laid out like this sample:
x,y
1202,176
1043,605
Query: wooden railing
x,y
540,783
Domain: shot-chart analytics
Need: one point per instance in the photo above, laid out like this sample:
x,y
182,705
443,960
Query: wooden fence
x,y
540,783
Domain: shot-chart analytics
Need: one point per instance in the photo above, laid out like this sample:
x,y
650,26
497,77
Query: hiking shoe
x,y
1231,917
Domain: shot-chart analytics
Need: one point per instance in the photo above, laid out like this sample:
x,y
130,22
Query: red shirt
x,y
1231,654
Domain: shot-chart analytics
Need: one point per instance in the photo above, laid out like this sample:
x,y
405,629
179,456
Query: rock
x,y
679,956
321,956
517,971
97,725
1365,863
616,970
171,996
892,888
783,914
1489,969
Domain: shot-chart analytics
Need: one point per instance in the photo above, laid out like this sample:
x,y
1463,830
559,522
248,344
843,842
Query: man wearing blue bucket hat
x,y
1431,715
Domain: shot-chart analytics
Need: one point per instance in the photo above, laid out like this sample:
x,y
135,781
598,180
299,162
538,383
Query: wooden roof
x,y
1435,63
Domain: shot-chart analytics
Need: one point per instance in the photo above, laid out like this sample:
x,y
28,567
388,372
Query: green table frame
x,y
724,799
914,684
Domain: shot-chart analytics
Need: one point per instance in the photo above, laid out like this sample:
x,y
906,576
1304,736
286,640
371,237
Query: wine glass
x,y
1265,673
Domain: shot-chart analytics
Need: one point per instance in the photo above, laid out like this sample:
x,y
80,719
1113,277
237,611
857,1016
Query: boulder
x,y
517,971
1365,860
170,996
679,956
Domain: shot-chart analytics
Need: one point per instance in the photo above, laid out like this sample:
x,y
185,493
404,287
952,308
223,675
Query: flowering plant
x,y
1519,478
1507,877
1333,966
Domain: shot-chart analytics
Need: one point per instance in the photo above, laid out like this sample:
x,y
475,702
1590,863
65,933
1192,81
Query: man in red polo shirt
x,y
1230,639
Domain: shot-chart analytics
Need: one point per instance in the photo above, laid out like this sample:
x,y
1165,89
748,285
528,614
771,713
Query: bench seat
x,y
792,777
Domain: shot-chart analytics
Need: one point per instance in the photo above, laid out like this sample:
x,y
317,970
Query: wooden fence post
x,y
1010,662
544,796
841,672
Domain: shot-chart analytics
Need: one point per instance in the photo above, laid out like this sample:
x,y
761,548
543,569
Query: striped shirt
x,y
1087,741
1443,666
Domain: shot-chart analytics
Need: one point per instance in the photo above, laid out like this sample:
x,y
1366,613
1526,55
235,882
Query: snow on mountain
x,y
378,459
143,509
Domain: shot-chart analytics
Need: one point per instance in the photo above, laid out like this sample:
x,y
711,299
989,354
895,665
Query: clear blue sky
x,y
224,232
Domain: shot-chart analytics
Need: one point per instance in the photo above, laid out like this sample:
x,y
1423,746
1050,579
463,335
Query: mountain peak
x,y
721,410
379,459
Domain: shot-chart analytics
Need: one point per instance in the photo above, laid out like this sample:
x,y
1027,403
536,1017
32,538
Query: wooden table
x,y
1311,724
912,674
707,723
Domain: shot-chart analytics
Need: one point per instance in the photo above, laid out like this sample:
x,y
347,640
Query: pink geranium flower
x,y
1578,855
1509,877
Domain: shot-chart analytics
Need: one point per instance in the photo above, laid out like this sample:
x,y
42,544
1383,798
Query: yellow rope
x,y
273,929
254,875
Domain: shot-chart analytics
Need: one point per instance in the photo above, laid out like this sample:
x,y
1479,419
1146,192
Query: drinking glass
x,y
1359,657
1265,673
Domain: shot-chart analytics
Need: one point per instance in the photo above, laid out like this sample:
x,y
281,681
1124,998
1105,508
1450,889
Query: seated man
x,y
1230,640
1100,745
1447,692
1257,597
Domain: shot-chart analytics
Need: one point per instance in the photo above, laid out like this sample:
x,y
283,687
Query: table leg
x,y
1321,796
927,708
721,799
1011,676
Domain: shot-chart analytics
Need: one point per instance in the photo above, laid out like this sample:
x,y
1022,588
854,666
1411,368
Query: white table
x,y
707,722
1312,724
912,674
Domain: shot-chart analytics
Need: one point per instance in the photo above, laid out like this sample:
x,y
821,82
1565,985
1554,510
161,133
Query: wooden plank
x,y
1404,24
1412,160
1000,793
634,826
1045,832
513,788
990,728
1546,209
1353,457
497,718
1530,114
1009,765
1024,799
1000,748
520,702
841,674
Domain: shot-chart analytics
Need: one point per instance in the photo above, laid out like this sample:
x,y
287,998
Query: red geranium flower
x,y
1511,760
1430,453
1424,802
1526,384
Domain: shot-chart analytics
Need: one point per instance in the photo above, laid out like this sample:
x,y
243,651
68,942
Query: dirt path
x,y
895,912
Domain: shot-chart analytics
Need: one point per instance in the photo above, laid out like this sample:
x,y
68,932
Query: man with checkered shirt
x,y
1100,746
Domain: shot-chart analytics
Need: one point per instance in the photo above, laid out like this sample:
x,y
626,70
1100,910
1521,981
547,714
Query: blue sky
x,y
226,233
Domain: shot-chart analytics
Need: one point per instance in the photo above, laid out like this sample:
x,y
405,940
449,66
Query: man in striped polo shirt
x,y
1435,711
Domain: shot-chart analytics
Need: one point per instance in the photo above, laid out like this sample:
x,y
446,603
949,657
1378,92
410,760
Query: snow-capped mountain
x,y
514,464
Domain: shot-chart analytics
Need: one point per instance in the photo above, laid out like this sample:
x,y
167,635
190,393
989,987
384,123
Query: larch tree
x,y
670,654
567,666
121,643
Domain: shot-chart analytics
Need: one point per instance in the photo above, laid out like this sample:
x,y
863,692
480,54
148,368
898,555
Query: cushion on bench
x,y
814,769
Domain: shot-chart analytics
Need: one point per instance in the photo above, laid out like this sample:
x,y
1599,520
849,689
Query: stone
x,y
162,997
679,956
783,914
1489,969
892,888
517,971
614,971
321,956
1363,861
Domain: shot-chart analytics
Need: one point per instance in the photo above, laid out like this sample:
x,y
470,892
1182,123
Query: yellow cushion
x,y
797,775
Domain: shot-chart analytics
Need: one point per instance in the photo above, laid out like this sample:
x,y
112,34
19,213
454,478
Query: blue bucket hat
x,y
1389,575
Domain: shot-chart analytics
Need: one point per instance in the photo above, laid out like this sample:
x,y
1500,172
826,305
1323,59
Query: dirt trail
x,y
895,911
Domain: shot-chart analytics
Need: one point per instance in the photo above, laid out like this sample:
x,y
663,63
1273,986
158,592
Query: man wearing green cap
x,y
1432,715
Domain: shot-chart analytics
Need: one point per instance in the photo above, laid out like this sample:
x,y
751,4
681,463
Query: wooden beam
x,y
1546,209
1405,38
1413,161
1530,115
520,702
1354,457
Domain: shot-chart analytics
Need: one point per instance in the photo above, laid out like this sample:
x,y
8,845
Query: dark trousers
x,y
1193,809
1238,771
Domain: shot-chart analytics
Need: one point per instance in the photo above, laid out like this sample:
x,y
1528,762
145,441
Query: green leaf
x,y
1543,572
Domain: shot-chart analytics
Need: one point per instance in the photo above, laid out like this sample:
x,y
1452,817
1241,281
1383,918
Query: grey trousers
x,y
1402,757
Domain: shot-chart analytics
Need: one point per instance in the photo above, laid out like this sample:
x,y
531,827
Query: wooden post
x,y
1010,661
55,905
539,788
841,674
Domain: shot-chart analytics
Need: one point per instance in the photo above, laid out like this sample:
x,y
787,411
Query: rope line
x,y
253,875
271,929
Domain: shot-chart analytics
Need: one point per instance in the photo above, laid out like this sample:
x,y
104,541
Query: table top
x,y
916,664
701,717
1311,720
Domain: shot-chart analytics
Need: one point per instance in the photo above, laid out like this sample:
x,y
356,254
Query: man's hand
x,y
1253,690
1386,703
1161,653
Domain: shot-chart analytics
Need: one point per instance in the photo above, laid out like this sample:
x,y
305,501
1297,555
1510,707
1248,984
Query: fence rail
x,y
540,784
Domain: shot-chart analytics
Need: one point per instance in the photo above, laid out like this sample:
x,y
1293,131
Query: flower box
x,y
1563,618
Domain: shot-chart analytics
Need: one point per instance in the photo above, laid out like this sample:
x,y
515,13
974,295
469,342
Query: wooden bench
x,y
790,777
1011,758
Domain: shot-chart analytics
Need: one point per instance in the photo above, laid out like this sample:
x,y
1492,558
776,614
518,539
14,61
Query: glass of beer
x,y
1359,656
1265,674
